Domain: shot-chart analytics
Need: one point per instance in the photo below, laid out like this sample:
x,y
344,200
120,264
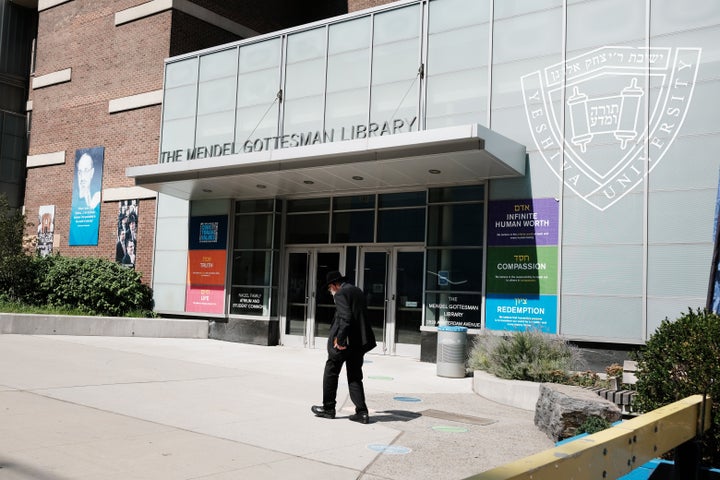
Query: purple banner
x,y
532,221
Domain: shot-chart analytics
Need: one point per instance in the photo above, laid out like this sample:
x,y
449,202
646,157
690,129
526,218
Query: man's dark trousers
x,y
353,361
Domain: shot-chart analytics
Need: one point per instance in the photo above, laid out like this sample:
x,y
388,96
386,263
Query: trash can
x,y
451,351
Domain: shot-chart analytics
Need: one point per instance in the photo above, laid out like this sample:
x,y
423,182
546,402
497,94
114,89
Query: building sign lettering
x,y
353,132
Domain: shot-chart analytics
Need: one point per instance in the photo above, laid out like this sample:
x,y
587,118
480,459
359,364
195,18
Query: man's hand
x,y
335,344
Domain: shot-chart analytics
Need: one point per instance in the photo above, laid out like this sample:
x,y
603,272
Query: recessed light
x,y
308,182
260,185
434,171
358,177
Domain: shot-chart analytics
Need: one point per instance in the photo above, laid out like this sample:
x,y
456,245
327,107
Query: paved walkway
x,y
115,408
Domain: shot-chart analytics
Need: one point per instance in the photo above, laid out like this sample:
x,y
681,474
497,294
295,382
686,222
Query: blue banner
x,y
87,188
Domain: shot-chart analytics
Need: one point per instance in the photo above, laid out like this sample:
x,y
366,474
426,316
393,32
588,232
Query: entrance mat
x,y
455,417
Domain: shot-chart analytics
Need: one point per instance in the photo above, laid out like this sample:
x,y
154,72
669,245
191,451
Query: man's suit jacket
x,y
351,326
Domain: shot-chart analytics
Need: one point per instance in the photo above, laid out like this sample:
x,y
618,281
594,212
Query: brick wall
x,y
107,62
110,62
355,5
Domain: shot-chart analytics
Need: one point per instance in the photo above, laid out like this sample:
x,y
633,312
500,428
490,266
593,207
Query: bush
x,y
681,359
16,274
92,285
524,355
594,424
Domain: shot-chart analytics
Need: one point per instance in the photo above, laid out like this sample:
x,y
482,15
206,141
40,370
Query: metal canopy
x,y
461,155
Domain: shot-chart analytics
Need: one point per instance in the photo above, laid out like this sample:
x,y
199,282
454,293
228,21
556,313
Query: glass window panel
x,y
178,134
580,221
350,35
258,122
184,72
592,24
215,129
610,269
394,101
457,194
511,8
218,65
253,231
682,216
249,206
309,205
260,56
354,202
305,79
396,62
258,88
403,199
303,115
444,13
454,270
309,228
705,38
306,45
460,224
216,96
346,109
353,227
528,36
179,102
672,16
406,225
251,267
448,51
397,24
614,317
349,70
458,94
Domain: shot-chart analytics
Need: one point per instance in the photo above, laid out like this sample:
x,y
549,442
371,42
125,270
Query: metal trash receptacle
x,y
451,351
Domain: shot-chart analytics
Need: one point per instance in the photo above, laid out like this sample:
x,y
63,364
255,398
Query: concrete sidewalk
x,y
127,408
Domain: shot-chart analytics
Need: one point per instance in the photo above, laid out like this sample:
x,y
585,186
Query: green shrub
x,y
681,359
17,277
524,355
594,424
94,286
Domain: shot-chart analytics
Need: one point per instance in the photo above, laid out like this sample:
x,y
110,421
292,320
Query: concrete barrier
x,y
38,324
515,393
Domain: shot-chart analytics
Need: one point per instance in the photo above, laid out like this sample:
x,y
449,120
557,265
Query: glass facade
x,y
616,111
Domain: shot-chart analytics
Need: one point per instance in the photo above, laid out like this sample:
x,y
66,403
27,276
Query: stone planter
x,y
515,393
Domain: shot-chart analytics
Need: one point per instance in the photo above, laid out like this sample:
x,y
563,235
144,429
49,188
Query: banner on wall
x,y
87,188
713,295
522,265
46,230
207,261
126,234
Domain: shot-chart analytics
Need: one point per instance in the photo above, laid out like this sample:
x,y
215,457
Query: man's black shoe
x,y
360,417
322,412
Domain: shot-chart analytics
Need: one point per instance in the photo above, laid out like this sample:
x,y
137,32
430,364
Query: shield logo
x,y
604,119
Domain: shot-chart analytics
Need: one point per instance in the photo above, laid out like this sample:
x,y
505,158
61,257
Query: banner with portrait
x,y
46,229
126,233
87,188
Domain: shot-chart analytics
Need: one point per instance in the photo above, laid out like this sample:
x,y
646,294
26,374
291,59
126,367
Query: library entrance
x,y
391,277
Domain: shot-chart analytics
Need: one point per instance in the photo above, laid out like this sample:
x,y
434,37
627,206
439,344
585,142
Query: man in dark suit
x,y
350,338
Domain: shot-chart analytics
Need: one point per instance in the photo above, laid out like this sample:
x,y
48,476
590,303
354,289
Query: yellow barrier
x,y
613,452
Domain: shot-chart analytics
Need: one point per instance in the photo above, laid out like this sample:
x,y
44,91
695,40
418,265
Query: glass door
x,y
407,302
373,279
392,280
309,309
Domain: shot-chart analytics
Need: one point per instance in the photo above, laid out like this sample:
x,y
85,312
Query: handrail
x,y
616,451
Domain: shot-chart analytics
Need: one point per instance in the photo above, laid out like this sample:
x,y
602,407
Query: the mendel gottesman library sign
x,y
290,140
